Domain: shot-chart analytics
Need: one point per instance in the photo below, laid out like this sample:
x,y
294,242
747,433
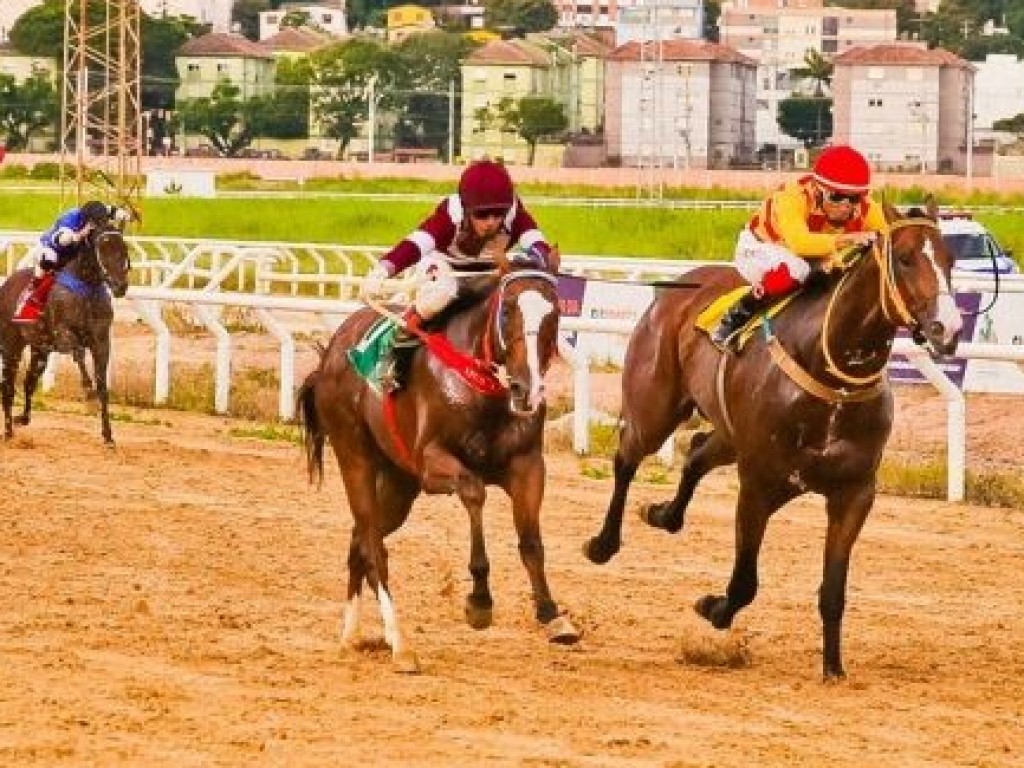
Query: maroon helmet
x,y
486,184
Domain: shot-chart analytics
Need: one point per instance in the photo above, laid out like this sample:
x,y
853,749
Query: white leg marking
x,y
392,632
350,621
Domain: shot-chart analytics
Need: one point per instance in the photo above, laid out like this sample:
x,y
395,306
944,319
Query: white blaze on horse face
x,y
947,312
534,309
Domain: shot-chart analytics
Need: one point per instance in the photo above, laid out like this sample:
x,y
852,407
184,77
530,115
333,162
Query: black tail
x,y
312,432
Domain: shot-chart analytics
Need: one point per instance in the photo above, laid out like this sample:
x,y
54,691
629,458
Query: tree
x,y
295,19
1013,124
430,63
246,14
806,119
344,77
712,11
532,117
26,108
285,114
518,17
229,123
816,68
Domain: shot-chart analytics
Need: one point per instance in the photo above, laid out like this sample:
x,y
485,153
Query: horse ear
x,y
554,260
891,214
931,207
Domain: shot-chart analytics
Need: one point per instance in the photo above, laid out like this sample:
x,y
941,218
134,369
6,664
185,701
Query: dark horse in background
x,y
807,410
443,437
77,318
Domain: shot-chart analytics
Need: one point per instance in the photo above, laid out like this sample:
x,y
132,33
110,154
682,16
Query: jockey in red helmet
x,y
454,237
812,218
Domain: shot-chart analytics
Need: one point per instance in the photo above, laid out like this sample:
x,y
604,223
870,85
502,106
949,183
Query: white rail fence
x,y
195,273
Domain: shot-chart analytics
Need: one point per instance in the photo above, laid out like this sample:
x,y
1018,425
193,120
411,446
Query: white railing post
x,y
222,372
286,397
150,312
580,365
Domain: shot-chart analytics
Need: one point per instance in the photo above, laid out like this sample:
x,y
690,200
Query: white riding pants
x,y
754,259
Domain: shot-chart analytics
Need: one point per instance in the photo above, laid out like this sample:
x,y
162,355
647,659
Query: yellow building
x,y
206,60
405,20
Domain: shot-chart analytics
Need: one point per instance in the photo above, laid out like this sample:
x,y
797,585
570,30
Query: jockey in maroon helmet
x,y
810,219
457,232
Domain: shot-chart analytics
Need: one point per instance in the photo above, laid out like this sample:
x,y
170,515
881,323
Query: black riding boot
x,y
398,361
739,314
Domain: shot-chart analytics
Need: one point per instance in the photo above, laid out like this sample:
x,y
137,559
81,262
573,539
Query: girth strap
x,y
811,385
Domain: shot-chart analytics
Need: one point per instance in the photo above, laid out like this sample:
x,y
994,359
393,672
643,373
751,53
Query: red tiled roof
x,y
515,52
681,50
907,54
296,40
224,44
581,42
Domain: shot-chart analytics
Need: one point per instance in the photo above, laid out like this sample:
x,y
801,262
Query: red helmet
x,y
843,169
486,184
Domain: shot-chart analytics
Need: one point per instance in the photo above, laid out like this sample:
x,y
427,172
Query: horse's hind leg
x,y
36,367
368,556
640,435
479,602
707,451
100,360
83,371
525,486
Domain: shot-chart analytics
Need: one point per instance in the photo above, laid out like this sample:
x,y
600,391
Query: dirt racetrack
x,y
175,602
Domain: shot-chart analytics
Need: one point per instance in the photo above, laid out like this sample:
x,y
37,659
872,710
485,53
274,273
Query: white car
x,y
973,247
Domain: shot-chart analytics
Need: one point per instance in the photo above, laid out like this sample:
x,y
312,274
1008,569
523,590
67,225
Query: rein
x,y
894,308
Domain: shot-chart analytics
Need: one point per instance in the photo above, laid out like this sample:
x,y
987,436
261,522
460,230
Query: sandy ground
x,y
176,602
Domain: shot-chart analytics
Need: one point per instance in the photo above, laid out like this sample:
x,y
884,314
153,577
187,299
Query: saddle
x,y
710,317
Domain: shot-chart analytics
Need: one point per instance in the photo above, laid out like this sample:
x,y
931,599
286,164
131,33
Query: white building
x,y
661,20
998,90
328,16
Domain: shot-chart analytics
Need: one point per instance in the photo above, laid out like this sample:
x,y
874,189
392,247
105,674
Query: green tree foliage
x,y
815,68
517,17
958,25
429,63
295,19
40,32
1013,124
285,114
343,78
532,117
712,10
26,108
366,13
246,14
808,120
229,123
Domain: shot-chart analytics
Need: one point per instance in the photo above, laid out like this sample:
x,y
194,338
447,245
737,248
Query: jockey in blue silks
x,y
58,245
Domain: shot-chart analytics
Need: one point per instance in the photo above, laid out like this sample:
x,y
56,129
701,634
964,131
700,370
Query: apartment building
x,y
408,19
998,90
328,17
204,61
904,106
778,37
688,104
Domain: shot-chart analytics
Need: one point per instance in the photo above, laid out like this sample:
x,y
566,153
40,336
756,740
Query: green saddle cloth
x,y
367,354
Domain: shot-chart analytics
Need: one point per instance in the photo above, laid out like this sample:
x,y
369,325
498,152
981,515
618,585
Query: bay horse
x,y
77,318
805,407
438,435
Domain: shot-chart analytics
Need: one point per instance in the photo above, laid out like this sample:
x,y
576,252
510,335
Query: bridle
x,y
495,334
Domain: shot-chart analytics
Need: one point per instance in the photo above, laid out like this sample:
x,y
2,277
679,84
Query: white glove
x,y
373,283
121,215
66,237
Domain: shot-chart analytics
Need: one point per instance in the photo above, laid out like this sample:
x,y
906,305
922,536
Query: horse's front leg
x,y
755,505
479,602
36,367
847,510
100,360
10,376
525,486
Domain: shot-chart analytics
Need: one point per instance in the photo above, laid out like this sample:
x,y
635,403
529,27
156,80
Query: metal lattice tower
x,y
101,123
652,60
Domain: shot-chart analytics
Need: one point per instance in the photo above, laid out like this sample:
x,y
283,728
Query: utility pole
x,y
101,102
970,132
371,90
451,121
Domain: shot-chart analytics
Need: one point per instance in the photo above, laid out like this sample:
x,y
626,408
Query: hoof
x,y
24,420
833,677
712,608
109,443
406,663
597,552
654,516
478,617
561,631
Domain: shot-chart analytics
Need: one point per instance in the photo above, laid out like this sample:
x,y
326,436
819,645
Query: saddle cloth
x,y
366,355
709,318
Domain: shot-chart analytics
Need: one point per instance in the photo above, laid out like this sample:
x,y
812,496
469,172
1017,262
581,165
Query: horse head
x,y
917,280
108,247
526,329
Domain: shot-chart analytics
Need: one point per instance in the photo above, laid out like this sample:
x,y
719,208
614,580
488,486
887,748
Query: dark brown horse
x,y
77,318
808,410
444,438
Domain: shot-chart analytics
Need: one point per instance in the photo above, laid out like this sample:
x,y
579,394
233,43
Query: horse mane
x,y
473,291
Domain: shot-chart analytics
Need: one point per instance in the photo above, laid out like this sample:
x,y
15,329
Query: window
x,y
829,46
328,18
830,26
221,67
273,18
510,77
874,102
